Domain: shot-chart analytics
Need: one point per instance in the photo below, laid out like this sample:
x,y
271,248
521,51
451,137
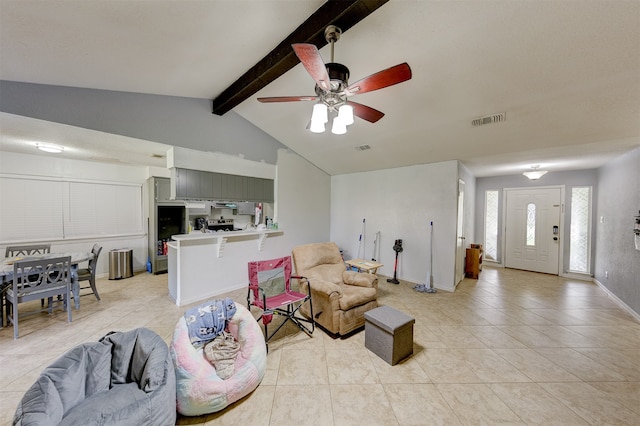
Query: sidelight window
x,y
580,236
491,225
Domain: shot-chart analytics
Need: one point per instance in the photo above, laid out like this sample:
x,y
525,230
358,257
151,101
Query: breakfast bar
x,y
205,265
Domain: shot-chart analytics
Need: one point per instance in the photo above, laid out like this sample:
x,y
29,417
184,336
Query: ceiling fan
x,y
333,89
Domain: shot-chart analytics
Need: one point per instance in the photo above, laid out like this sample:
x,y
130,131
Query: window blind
x,y
39,209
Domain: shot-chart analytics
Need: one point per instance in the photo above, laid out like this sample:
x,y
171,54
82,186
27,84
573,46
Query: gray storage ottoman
x,y
388,333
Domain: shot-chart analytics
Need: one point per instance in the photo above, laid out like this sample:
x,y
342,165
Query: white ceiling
x,y
567,74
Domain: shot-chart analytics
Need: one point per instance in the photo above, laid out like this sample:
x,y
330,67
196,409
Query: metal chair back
x,y
12,251
39,279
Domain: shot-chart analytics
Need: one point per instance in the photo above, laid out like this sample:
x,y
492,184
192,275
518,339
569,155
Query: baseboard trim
x,y
577,276
618,301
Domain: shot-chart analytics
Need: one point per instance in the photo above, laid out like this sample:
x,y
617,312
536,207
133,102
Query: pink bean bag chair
x,y
199,390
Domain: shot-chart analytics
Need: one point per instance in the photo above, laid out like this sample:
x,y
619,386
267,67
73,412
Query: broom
x,y
423,288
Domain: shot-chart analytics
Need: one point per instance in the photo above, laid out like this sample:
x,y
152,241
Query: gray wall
x,y
569,179
618,203
185,122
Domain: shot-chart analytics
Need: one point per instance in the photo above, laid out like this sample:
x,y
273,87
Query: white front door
x,y
532,229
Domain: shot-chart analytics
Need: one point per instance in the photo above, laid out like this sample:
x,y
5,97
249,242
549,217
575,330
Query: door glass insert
x,y
531,224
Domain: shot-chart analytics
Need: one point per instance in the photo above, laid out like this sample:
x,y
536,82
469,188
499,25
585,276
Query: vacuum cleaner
x,y
397,247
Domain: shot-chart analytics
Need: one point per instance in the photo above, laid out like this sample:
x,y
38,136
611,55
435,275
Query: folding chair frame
x,y
287,310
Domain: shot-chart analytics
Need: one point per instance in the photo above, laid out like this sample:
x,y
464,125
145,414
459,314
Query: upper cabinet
x,y
189,184
161,189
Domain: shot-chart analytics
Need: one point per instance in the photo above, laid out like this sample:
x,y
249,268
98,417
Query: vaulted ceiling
x,y
566,73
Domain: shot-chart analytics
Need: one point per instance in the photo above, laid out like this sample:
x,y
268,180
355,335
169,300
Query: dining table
x,y
6,269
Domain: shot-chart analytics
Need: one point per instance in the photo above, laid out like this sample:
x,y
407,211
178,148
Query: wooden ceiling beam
x,y
342,13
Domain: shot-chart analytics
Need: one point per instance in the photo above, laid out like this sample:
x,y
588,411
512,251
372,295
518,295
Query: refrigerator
x,y
164,221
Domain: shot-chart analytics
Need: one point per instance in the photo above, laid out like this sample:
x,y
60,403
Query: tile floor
x,y
510,348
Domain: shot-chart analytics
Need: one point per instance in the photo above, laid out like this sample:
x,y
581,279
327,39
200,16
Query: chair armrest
x,y
325,287
359,279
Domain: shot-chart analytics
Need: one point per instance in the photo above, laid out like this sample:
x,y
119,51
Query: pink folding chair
x,y
270,290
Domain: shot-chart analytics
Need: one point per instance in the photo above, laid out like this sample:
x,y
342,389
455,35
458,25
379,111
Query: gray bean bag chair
x,y
127,378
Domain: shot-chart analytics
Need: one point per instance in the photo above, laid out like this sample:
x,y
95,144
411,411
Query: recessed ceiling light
x,y
48,147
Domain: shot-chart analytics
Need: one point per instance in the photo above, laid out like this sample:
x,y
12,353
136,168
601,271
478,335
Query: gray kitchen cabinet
x,y
227,186
206,186
201,185
179,183
216,185
161,188
264,190
240,192
187,184
252,193
193,184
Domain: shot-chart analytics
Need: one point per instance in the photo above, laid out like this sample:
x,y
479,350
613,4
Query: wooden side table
x,y
361,265
473,263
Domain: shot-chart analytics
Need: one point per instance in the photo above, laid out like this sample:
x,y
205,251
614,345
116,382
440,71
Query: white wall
x,y
53,168
303,199
400,203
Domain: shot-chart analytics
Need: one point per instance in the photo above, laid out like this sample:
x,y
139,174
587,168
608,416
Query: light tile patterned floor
x,y
510,348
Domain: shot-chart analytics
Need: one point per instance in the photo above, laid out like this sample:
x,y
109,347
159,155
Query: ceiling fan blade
x,y
380,80
312,61
366,113
287,99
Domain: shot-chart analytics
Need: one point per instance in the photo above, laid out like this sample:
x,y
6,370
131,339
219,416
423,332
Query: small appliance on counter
x,y
201,223
222,224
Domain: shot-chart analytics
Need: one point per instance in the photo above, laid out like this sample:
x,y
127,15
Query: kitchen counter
x,y
199,235
204,265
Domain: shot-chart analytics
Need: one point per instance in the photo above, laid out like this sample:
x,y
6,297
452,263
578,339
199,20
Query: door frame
x,y
459,272
561,234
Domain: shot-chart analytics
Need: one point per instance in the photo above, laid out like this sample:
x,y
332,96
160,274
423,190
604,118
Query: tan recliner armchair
x,y
340,297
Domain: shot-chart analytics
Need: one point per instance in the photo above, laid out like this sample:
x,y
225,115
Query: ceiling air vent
x,y
495,118
362,147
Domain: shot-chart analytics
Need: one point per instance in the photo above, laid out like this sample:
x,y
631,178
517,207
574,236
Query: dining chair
x,y
12,251
37,279
27,250
89,273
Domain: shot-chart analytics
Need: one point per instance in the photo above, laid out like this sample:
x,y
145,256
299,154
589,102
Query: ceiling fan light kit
x,y
316,127
332,87
345,113
339,127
